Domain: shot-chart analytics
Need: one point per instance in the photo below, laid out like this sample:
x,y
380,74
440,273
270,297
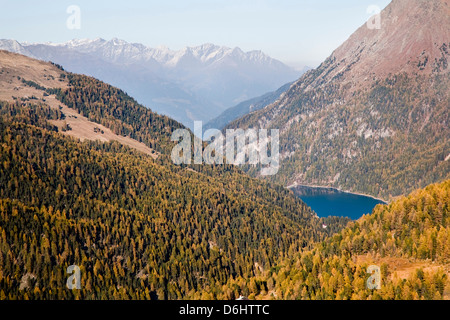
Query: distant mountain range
x,y
195,83
374,116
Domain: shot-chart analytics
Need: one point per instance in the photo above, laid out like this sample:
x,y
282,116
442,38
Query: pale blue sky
x,y
297,32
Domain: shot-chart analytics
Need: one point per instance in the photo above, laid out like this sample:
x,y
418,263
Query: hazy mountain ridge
x,y
195,83
244,108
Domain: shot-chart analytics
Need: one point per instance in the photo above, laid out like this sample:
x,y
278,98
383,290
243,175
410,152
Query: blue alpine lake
x,y
331,202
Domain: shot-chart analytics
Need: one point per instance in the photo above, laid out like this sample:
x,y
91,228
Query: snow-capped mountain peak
x,y
14,46
80,42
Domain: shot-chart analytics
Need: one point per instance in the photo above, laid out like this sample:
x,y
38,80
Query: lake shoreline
x,y
337,189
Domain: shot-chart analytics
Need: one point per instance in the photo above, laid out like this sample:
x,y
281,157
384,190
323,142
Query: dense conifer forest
x,y
137,228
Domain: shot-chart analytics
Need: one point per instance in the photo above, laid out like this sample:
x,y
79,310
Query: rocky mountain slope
x,y
374,117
